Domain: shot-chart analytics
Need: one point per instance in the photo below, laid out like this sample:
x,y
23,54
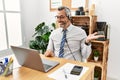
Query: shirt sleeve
x,y
50,45
85,49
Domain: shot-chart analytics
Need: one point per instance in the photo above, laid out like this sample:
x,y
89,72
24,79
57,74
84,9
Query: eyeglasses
x,y
60,17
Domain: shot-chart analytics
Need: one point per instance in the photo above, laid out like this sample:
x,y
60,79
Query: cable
x,y
70,49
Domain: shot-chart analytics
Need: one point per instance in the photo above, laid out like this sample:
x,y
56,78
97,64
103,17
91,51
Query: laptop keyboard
x,y
46,66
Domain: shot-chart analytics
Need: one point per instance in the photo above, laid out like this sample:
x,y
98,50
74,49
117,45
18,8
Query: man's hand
x,y
49,53
93,37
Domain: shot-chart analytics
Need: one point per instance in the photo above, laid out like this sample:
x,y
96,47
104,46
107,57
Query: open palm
x,y
93,37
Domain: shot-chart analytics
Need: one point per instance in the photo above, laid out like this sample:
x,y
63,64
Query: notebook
x,y
30,58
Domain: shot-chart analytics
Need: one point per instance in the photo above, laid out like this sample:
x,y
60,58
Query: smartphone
x,y
76,70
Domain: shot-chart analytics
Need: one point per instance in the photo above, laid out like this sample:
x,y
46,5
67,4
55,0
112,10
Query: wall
x,y
107,10
36,11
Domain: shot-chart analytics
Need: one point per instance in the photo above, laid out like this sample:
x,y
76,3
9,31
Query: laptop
x,y
30,58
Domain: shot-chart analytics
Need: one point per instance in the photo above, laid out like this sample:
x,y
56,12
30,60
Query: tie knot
x,y
64,30
64,33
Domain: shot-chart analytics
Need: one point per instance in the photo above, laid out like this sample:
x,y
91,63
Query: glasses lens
x,y
59,17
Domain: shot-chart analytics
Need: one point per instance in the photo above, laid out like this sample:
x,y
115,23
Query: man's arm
x,y
86,45
49,53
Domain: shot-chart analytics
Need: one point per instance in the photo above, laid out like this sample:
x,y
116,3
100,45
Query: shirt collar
x,y
68,29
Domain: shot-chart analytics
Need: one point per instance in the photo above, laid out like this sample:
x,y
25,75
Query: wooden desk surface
x,y
24,73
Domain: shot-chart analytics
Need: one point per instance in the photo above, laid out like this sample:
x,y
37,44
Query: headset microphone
x,y
70,49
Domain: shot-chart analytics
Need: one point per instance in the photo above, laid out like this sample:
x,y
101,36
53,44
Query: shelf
x,y
103,42
98,64
88,23
84,16
85,20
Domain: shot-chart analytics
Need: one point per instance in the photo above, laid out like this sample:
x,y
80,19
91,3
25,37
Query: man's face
x,y
62,19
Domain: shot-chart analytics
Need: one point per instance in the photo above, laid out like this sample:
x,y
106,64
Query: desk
x,y
24,73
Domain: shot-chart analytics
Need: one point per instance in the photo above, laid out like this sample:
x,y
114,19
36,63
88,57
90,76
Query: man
x,y
76,45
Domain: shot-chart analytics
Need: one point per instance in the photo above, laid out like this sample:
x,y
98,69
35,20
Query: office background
x,y
36,11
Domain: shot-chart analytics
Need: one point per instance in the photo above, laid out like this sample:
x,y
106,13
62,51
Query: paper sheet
x,y
65,70
77,3
56,3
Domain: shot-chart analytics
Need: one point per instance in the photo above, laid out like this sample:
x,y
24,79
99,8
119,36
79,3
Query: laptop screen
x,y
31,58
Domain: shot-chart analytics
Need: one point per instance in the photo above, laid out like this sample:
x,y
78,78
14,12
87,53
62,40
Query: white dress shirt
x,y
75,43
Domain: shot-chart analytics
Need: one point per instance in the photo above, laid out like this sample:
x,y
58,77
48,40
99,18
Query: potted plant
x,y
96,74
96,54
41,37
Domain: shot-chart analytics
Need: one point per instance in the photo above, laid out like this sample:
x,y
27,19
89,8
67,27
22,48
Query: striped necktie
x,y
61,51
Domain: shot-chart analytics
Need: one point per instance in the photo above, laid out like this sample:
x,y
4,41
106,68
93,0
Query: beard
x,y
62,24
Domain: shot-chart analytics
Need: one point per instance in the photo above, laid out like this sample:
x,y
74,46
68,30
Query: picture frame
x,y
72,4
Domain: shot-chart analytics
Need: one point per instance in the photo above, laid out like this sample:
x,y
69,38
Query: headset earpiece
x,y
68,13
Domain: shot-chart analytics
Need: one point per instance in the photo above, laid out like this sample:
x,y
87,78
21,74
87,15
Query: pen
x,y
65,74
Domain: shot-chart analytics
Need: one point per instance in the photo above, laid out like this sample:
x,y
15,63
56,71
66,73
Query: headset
x,y
68,13
67,10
